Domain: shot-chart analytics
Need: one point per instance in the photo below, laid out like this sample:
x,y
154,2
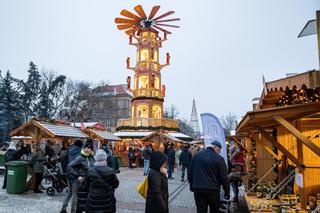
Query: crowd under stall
x,y
138,139
59,135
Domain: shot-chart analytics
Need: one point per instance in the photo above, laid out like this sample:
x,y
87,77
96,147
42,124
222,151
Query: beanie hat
x,y
216,143
78,143
157,159
88,143
100,155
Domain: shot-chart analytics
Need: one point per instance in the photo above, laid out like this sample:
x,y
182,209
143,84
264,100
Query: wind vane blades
x,y
154,11
140,11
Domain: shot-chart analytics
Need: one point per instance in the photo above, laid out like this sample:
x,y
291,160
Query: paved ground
x,y
128,200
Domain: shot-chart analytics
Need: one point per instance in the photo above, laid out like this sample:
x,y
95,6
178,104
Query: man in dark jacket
x,y
101,181
208,171
146,153
171,160
70,155
185,160
158,194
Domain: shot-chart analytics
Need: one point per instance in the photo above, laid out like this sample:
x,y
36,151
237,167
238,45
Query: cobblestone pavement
x,y
128,200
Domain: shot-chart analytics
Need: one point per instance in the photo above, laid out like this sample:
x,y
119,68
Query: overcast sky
x,y
218,56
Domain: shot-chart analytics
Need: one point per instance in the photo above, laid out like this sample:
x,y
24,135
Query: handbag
x,y
142,188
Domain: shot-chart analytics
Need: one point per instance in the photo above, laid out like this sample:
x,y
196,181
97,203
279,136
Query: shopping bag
x,y
142,188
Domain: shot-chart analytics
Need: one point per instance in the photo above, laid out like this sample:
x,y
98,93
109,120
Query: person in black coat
x,y
185,160
101,181
10,155
207,172
171,160
78,169
157,196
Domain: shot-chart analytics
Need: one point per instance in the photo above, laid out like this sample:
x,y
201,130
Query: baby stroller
x,y
54,175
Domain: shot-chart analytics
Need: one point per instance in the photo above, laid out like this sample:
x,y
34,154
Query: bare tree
x,y
229,122
171,112
84,101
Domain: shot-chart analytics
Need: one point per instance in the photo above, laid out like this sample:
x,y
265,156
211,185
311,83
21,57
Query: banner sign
x,y
213,130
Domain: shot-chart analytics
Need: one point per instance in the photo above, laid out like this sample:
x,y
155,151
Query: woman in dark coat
x,y
101,181
157,196
78,170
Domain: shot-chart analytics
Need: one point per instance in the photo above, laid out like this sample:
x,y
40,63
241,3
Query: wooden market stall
x,y
103,137
282,133
39,131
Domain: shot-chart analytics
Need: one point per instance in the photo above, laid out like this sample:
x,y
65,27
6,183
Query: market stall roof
x,y
180,136
87,124
101,134
170,137
51,130
264,118
132,134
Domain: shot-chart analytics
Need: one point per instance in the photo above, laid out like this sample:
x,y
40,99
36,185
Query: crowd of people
x,y
91,175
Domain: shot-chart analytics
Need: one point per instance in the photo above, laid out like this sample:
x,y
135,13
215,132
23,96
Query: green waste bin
x,y
16,176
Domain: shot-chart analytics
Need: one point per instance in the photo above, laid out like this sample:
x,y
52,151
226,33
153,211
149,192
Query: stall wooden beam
x,y
297,134
238,142
280,147
266,147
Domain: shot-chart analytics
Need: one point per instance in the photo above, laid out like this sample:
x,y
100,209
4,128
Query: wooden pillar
x,y
302,192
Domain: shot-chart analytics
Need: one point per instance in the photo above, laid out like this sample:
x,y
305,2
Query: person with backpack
x,y
69,156
10,155
101,182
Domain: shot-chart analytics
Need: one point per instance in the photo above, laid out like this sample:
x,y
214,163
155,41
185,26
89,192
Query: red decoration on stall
x,y
168,58
130,39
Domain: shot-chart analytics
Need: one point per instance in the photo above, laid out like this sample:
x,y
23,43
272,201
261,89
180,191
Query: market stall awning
x,y
163,135
180,135
34,127
132,134
265,118
101,134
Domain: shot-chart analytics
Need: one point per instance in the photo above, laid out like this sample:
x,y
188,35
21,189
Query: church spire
x,y
194,123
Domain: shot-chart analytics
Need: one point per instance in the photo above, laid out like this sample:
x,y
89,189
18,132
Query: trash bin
x,y
16,176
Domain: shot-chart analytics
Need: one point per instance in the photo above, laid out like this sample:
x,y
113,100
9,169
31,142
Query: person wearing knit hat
x,y
100,156
10,155
102,183
157,195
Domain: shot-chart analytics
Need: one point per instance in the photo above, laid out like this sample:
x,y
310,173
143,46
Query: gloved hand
x,y
191,188
226,196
